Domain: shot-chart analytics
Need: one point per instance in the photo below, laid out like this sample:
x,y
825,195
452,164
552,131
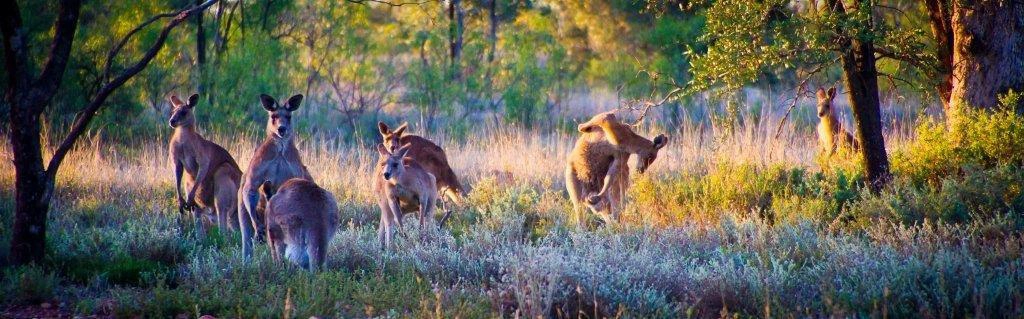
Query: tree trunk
x,y
988,51
493,34
861,77
455,20
941,25
32,188
200,52
27,96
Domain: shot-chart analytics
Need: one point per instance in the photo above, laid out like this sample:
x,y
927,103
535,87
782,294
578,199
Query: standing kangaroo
x,y
301,219
831,133
401,185
276,161
430,156
211,174
597,169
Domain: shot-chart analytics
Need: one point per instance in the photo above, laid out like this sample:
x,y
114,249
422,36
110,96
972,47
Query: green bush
x,y
28,284
980,139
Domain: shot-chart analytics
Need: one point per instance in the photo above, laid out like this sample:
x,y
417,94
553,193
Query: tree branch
x,y
87,114
389,3
801,88
56,64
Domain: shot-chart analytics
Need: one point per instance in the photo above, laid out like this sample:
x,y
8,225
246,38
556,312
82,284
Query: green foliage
x,y
774,193
978,139
27,284
754,42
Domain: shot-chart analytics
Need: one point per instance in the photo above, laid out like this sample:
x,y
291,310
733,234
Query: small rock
x,y
46,305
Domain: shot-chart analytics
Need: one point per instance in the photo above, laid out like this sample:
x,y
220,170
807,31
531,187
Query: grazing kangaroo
x,y
831,133
276,160
301,219
211,174
430,156
597,169
401,185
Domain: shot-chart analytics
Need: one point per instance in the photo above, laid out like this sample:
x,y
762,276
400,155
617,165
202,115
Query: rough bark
x,y
200,52
857,56
940,20
492,35
988,51
455,20
27,97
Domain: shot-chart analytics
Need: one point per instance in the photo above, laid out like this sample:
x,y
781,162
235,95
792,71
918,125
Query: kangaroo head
x,y
393,162
825,101
182,115
391,137
649,153
280,122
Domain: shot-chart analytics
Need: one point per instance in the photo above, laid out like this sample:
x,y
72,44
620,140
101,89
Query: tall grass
x,y
738,221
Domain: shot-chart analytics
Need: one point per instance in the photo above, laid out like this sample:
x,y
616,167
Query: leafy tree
x,y
746,40
28,95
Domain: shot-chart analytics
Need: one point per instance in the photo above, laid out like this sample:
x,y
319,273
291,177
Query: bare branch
x,y
392,4
801,88
87,114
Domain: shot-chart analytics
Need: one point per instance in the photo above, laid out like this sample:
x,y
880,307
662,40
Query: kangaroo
x,y
597,170
276,160
430,156
401,185
211,174
301,219
831,133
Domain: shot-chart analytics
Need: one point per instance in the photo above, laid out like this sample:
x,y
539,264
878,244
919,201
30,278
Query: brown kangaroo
x,y
831,133
401,185
301,219
597,169
211,174
428,155
276,160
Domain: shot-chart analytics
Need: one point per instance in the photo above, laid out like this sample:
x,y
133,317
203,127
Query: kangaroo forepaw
x,y
593,199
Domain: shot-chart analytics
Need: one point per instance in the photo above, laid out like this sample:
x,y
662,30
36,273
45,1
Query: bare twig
x,y
86,115
801,88
389,3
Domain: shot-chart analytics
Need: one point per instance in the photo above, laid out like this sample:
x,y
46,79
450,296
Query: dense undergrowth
x,y
943,240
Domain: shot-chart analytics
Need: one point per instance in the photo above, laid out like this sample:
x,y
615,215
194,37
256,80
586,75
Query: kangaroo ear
x,y
384,129
293,102
383,151
175,101
401,128
192,100
821,94
660,141
269,103
832,92
403,151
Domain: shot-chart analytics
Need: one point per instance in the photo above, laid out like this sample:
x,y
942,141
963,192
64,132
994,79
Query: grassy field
x,y
740,223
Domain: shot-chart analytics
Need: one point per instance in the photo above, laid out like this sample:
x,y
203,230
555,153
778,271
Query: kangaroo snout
x,y
282,130
387,175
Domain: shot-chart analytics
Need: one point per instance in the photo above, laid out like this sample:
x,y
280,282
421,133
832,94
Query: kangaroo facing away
x,y
831,133
211,174
428,155
301,219
276,160
597,170
401,185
